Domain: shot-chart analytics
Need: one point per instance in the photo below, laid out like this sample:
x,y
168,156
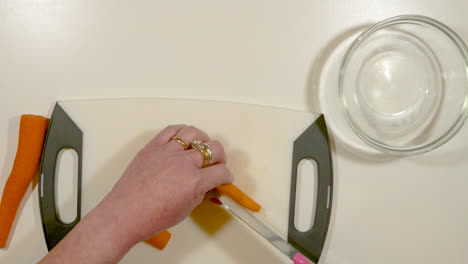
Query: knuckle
x,y
198,131
172,126
226,172
218,149
217,146
196,156
187,160
191,128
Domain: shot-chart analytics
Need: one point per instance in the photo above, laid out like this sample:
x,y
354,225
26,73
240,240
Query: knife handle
x,y
32,133
313,144
300,259
63,133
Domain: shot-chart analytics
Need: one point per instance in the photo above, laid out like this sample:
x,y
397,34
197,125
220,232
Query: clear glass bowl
x,y
403,85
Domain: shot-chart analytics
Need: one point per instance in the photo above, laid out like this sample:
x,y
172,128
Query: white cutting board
x,y
258,141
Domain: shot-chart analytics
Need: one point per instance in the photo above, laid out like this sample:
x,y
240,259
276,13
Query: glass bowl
x,y
403,85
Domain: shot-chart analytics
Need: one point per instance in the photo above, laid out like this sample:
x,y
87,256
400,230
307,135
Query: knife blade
x,y
229,205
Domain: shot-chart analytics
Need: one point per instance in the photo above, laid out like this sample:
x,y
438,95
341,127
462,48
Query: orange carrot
x,y
32,134
238,196
160,240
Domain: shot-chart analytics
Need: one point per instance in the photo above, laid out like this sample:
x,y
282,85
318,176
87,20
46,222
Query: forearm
x,y
98,238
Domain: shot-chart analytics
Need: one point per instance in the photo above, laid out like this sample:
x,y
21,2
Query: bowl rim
x,y
462,116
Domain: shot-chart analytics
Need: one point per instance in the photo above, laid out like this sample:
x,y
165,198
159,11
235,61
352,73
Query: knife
x,y
229,205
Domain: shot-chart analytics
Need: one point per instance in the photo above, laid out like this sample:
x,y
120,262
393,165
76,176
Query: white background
x,y
262,52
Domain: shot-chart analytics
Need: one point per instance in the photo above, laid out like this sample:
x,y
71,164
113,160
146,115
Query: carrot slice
x,y
32,133
160,240
238,196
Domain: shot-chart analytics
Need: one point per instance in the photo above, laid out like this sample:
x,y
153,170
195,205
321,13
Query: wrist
x,y
112,227
127,219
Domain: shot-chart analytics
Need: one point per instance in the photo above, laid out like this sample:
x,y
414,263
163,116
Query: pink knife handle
x,y
300,259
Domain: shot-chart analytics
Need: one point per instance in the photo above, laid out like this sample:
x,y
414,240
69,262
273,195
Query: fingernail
x,y
216,201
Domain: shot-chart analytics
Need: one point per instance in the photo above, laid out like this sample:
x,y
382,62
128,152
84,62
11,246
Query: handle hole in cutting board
x,y
306,189
66,185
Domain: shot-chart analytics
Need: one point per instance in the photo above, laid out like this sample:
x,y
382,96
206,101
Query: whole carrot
x,y
32,133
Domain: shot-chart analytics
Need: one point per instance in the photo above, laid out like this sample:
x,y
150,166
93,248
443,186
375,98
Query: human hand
x,y
165,182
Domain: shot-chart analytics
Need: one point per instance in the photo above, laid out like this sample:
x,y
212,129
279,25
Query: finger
x,y
217,153
191,133
187,135
167,134
215,176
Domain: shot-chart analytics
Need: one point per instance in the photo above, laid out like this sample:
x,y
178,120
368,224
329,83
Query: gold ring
x,y
181,142
205,150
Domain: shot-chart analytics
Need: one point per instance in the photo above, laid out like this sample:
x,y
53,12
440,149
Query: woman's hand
x,y
165,182
160,188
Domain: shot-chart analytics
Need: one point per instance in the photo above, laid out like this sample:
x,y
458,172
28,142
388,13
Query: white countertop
x,y
262,52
